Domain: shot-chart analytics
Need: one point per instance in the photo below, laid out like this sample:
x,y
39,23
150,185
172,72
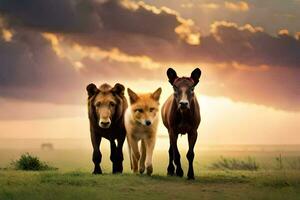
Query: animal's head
x,y
105,102
144,107
183,87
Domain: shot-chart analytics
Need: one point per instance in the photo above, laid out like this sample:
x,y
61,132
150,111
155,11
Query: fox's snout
x,y
148,122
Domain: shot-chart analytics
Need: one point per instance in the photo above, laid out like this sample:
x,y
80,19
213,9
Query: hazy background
x,y
248,51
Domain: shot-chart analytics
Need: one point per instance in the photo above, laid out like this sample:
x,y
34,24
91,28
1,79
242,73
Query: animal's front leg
x,y
150,143
192,138
143,157
113,155
97,156
171,167
120,157
176,154
135,154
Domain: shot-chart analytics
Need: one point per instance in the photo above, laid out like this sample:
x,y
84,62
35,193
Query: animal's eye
x,y
98,104
192,90
152,109
112,104
175,90
139,110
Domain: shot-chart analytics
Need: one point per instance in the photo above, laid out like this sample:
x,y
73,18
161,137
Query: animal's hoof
x,y
190,174
142,170
117,168
170,173
120,169
149,170
116,172
171,170
179,172
96,172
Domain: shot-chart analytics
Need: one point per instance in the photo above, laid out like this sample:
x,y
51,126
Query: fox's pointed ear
x,y
172,75
133,97
91,89
118,89
155,95
196,75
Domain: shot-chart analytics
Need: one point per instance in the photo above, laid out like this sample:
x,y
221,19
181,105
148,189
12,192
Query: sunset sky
x,y
248,52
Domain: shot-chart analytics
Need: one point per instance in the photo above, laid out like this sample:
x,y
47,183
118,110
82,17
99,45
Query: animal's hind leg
x,y
143,157
97,156
176,154
192,138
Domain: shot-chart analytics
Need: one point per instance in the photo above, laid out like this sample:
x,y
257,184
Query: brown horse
x,y
181,115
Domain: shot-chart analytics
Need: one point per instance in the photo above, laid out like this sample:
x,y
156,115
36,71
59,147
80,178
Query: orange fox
x,y
141,120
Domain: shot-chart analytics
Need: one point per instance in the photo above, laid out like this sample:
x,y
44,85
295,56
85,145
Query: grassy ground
x,y
73,180
208,185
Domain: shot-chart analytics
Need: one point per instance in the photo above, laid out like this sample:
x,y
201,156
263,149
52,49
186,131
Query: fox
x,y
141,120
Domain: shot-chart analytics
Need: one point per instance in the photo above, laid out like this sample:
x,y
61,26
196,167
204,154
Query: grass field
x,y
208,185
73,180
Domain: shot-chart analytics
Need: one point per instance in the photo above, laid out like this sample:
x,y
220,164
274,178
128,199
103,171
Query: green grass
x,y
74,180
235,164
208,185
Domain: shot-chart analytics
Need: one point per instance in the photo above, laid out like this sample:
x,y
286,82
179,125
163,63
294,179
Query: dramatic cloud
x,y
51,16
59,45
31,70
240,6
103,17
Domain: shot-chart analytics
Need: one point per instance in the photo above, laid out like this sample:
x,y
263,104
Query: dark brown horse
x,y
181,115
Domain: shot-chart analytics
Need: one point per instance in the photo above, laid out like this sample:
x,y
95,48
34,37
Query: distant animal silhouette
x,y
181,115
141,121
47,146
106,108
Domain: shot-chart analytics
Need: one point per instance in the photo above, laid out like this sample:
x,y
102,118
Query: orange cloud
x,y
187,29
283,32
212,6
297,35
240,6
6,33
75,52
247,27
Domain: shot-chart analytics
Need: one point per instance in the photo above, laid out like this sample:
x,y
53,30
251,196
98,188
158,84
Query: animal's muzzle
x,y
104,123
184,104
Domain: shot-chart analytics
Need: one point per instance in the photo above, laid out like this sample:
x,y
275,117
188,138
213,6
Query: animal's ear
x,y
196,75
91,89
155,95
118,89
171,73
133,97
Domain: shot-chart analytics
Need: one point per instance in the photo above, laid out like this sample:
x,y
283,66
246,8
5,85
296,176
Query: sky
x,y
248,52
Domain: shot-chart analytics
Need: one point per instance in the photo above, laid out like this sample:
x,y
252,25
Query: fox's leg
x,y
143,157
150,143
135,154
